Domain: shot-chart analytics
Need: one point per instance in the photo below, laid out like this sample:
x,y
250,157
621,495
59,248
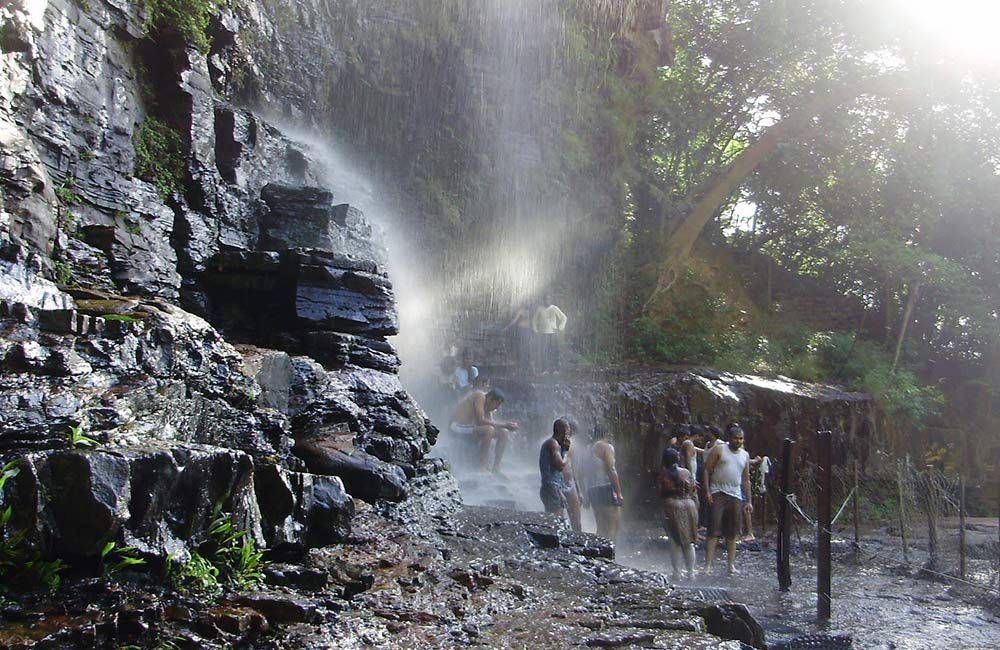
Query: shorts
x,y
553,497
727,515
462,429
603,496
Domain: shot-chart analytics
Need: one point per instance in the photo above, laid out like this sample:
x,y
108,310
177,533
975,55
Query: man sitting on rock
x,y
472,421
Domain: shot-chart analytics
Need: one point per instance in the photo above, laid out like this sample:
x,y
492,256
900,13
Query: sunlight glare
x,y
965,28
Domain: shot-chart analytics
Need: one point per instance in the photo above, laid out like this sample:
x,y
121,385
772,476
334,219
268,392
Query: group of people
x,y
565,492
536,330
705,488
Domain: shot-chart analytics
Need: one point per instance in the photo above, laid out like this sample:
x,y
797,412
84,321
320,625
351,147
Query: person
x,y
712,436
747,516
465,374
473,420
547,322
728,477
571,486
521,322
676,487
604,491
551,462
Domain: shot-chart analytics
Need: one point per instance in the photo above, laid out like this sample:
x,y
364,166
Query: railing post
x,y
784,524
825,507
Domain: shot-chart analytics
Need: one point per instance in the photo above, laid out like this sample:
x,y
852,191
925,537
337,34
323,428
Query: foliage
x,y
229,558
65,193
62,274
234,553
196,575
159,156
22,568
188,18
116,558
78,439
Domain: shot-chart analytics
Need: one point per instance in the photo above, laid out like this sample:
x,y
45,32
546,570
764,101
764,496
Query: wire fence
x,y
900,514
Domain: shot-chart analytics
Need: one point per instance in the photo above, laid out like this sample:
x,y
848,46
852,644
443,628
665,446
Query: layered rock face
x,y
157,279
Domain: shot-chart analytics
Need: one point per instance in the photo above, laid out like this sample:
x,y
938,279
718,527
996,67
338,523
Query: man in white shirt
x,y
728,472
547,322
465,374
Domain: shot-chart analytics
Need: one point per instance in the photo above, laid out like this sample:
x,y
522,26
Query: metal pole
x,y
902,511
825,508
857,509
932,529
961,525
784,524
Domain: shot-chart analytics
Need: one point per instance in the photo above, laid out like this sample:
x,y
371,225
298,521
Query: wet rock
x,y
619,641
364,476
352,577
281,607
733,621
301,511
298,577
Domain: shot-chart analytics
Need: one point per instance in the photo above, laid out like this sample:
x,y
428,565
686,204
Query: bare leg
x,y
710,550
573,509
501,436
749,521
486,435
689,561
601,518
675,560
614,522
731,549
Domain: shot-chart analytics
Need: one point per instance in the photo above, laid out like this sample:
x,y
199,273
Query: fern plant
x,y
78,439
115,558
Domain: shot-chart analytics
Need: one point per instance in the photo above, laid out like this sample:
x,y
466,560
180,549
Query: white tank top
x,y
727,475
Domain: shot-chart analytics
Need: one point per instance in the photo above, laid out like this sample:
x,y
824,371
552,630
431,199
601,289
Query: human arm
x,y
747,494
606,454
513,321
560,319
484,420
713,459
555,454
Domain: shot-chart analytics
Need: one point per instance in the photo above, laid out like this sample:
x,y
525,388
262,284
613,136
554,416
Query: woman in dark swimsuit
x,y
675,488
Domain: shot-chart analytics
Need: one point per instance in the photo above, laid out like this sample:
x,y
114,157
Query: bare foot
x,y
748,538
732,571
500,475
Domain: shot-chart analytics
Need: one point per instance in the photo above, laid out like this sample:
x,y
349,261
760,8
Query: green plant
x,y
21,567
125,318
78,439
61,272
65,193
195,576
188,18
132,229
115,558
235,555
87,155
159,156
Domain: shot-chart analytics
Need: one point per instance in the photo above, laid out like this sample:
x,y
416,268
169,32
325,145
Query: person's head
x,y
697,434
683,433
600,432
670,457
466,358
574,426
560,429
494,398
736,438
714,433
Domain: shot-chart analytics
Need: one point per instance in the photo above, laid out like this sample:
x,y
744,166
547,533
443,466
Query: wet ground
x,y
879,601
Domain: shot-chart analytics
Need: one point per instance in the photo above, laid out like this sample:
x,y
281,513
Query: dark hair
x,y
466,352
572,423
669,460
683,430
716,431
560,425
697,430
735,428
496,395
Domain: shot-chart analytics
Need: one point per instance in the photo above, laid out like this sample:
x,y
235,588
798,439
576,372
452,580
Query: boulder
x,y
364,476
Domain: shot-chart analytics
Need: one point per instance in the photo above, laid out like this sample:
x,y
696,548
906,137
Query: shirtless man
x,y
551,463
571,486
473,419
728,473
604,490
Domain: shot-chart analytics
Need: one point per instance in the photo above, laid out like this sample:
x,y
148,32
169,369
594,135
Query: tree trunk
x,y
911,299
681,239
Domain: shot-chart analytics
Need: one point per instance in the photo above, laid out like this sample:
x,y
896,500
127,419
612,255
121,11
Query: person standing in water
x,y
473,420
522,338
547,323
572,489
604,491
551,462
728,472
676,487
